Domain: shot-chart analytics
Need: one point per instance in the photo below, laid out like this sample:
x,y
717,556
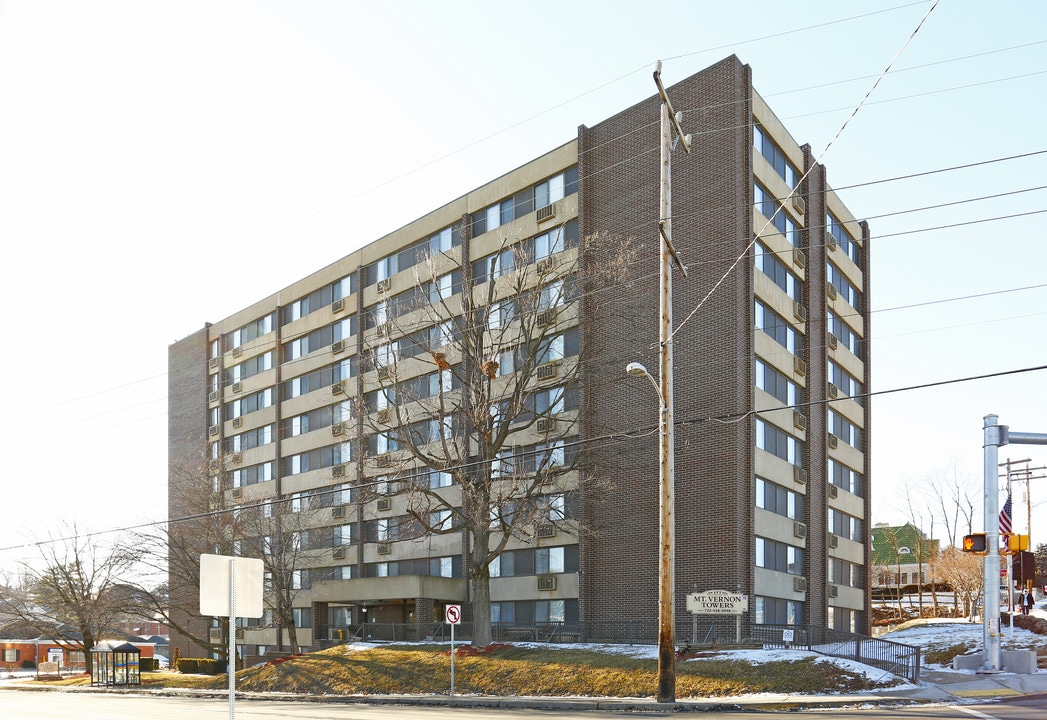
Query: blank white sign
x,y
215,577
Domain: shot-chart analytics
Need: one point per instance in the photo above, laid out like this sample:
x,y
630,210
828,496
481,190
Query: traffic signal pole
x,y
995,436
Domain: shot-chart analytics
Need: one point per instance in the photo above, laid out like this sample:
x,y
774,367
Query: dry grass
x,y
520,671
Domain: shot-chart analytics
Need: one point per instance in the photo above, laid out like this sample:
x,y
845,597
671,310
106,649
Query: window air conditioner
x,y
799,205
237,458
238,492
383,373
214,396
337,388
833,541
833,441
337,306
338,429
545,425
338,511
546,531
545,318
830,290
337,346
548,371
833,391
213,430
547,583
834,591
385,503
383,285
385,460
799,312
799,259
237,422
383,416
338,553
213,363
799,421
799,367
338,471
214,635
830,241
834,492
239,633
799,529
800,475
237,351
832,341
800,584
545,213
237,387
384,548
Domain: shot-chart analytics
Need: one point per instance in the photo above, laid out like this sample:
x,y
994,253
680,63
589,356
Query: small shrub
x,y
201,666
148,664
28,664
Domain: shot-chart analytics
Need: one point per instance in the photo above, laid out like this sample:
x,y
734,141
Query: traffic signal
x,y
1016,543
974,543
1023,567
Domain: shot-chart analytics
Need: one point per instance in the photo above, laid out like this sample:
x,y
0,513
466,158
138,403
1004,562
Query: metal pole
x,y
231,660
991,574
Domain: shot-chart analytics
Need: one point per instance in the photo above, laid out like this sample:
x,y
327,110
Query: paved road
x,y
85,706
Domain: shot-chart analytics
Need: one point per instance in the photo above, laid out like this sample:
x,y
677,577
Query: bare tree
x,y
963,571
77,592
483,394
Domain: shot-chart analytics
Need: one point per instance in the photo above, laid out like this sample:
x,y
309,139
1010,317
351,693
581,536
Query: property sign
x,y
717,602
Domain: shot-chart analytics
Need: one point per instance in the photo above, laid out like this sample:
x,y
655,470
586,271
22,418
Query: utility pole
x,y
666,450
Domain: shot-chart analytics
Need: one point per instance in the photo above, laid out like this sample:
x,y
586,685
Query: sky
x,y
156,156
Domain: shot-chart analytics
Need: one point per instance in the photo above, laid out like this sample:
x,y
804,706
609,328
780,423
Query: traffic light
x,y
1016,543
974,543
1023,567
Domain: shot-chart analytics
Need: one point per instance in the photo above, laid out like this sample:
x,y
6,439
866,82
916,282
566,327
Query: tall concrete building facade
x,y
298,406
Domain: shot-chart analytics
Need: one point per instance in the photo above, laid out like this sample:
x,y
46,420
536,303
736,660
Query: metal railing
x,y
896,658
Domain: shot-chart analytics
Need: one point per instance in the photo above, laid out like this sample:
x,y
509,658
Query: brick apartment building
x,y
282,402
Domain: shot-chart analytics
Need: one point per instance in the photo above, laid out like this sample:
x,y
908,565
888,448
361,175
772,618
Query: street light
x,y
666,537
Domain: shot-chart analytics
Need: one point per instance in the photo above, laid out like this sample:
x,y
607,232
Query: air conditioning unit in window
x,y
239,633
799,312
830,241
385,460
236,458
338,553
337,388
799,367
548,371
214,635
830,290
545,318
545,213
385,503
338,429
237,422
799,421
799,205
833,391
799,584
834,492
832,341
238,492
545,425
833,541
337,306
213,363
213,430
834,591
383,372
237,387
546,531
547,582
544,266
382,329
833,441
337,346
383,285
383,416
338,511
799,259
800,475
214,396
799,529
338,471
237,351
384,548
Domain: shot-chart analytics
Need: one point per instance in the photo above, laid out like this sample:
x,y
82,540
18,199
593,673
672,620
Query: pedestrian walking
x,y
1028,601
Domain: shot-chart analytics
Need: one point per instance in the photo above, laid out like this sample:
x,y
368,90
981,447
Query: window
x,y
778,442
846,573
548,244
249,332
252,474
844,335
766,147
843,286
532,198
10,655
769,264
320,298
778,500
249,404
844,241
303,617
321,379
777,327
773,382
844,429
844,477
771,209
778,556
250,439
535,561
777,611
844,525
846,384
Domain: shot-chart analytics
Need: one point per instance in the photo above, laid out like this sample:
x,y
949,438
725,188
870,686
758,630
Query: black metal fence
x,y
895,658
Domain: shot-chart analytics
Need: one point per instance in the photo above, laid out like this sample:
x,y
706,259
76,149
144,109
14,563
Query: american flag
x,y
1005,517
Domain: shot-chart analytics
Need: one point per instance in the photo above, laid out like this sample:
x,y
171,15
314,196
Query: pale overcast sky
x,y
156,156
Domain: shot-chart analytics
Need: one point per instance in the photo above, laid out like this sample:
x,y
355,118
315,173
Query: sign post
x,y
718,602
453,616
221,577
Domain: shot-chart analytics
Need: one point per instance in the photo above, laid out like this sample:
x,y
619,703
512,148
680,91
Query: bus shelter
x,y
115,664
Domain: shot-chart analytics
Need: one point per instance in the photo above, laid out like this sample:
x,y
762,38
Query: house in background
x,y
901,556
